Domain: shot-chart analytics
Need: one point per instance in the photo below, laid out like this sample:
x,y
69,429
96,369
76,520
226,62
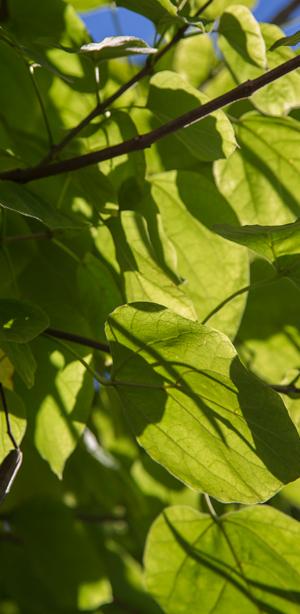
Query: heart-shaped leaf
x,y
196,409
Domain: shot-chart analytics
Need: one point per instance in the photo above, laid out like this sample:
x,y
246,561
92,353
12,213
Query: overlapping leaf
x,y
60,403
280,245
144,279
170,96
249,49
196,410
247,561
241,43
156,10
190,204
279,97
261,180
22,200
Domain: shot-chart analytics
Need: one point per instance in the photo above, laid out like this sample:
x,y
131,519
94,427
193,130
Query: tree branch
x,y
283,15
138,143
290,390
4,14
7,419
144,72
91,343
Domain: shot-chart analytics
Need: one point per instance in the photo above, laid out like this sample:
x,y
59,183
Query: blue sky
x,y
101,23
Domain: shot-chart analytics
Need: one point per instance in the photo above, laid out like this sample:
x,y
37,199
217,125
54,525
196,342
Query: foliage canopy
x,y
149,312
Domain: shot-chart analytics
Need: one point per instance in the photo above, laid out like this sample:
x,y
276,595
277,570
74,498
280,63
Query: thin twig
x,y
289,389
144,72
6,413
31,68
283,15
138,143
210,506
85,341
69,349
35,236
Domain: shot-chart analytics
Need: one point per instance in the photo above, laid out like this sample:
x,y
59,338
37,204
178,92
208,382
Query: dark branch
x,y
138,143
91,343
283,15
291,390
6,413
144,72
4,14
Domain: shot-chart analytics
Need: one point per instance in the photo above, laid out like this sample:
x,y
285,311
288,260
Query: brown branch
x,y
4,14
144,72
289,389
138,143
283,15
91,343
7,418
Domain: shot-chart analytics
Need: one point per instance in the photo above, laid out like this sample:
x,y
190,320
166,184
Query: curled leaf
x,y
116,47
287,41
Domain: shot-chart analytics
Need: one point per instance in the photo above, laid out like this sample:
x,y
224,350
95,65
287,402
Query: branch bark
x,y
91,343
283,15
138,143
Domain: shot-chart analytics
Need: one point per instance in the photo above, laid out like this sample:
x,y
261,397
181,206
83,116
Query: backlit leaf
x,y
205,417
250,558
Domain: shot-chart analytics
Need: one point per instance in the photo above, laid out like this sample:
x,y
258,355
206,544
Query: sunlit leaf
x,y
280,245
241,43
250,558
116,47
204,417
190,204
170,96
260,181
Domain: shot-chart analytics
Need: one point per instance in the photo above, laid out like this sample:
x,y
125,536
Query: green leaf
x,y
196,409
61,400
269,337
6,370
21,200
20,321
287,41
279,97
73,575
280,245
21,357
242,43
116,47
209,139
144,279
190,204
246,561
98,291
17,417
217,7
88,5
186,59
260,181
155,10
